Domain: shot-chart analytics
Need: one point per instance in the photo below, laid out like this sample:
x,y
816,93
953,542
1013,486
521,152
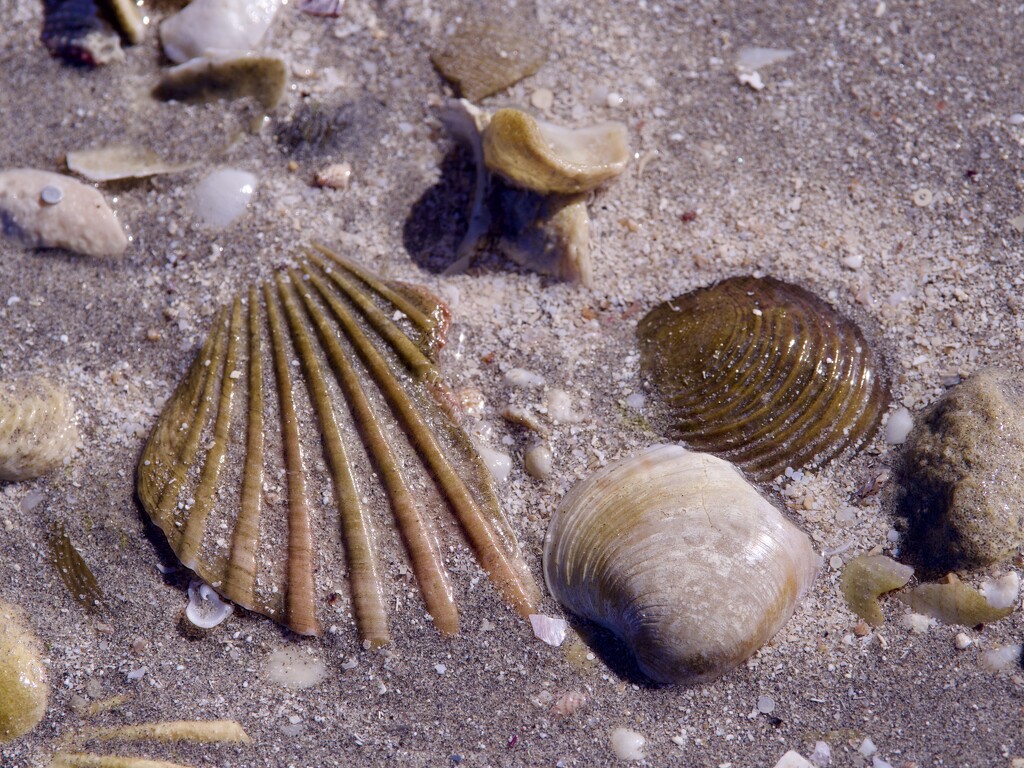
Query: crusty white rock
x,y
49,210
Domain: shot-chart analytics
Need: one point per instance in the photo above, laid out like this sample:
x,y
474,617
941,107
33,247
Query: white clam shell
x,y
678,555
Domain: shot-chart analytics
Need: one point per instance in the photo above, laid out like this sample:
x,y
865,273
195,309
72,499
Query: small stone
x,y
765,705
793,759
538,461
861,629
952,492
542,99
962,641
1016,118
51,195
334,176
867,747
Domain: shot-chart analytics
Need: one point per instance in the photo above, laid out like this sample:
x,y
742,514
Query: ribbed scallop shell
x,y
313,418
762,373
679,556
37,428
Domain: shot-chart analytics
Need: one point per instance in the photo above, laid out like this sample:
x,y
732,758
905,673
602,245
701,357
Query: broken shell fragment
x,y
762,373
37,428
81,221
120,162
205,608
488,53
548,158
23,686
208,79
555,241
217,27
679,556
323,382
953,602
868,577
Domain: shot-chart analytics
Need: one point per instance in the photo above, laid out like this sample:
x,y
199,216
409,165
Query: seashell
x,y
37,428
50,210
321,383
762,373
225,77
216,28
73,570
953,602
223,196
23,686
489,52
548,158
679,556
115,163
868,577
74,31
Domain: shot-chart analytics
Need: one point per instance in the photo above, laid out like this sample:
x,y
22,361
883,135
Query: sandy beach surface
x,y
881,167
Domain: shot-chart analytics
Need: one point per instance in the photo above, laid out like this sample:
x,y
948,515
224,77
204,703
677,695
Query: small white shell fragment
x,y
292,668
636,401
499,463
549,629
1002,592
962,641
1016,118
1004,659
216,26
752,58
628,745
119,162
205,607
82,221
867,747
334,176
520,377
51,195
821,756
542,99
560,407
538,461
898,427
753,79
793,759
922,197
917,623
765,705
223,196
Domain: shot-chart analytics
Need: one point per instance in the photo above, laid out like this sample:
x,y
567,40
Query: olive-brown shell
x,y
762,373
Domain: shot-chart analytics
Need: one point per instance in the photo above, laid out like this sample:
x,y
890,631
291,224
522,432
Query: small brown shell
x,y
762,373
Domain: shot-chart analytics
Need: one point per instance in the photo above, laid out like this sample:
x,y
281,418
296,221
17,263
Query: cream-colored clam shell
x,y
549,158
679,556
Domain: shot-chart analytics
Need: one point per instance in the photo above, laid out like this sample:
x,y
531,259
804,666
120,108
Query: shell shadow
x,y
614,653
438,219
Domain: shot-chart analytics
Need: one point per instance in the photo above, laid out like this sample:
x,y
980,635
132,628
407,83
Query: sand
x,y
879,167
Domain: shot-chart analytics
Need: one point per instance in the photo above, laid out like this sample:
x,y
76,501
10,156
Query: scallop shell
x,y
679,556
551,159
762,373
23,687
37,428
312,398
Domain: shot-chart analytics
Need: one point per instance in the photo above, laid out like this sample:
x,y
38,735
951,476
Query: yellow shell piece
x,y
37,428
23,686
953,602
867,577
551,159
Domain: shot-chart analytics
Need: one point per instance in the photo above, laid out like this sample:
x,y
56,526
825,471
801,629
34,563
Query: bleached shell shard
x,y
313,394
762,373
212,27
548,158
114,163
37,428
679,556
81,221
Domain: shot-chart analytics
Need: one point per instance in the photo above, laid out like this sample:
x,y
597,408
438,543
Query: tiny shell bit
x,y
762,373
23,686
679,556
37,428
312,397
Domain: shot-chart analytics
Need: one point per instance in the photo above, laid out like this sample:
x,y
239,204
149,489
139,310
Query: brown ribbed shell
x,y
762,373
312,424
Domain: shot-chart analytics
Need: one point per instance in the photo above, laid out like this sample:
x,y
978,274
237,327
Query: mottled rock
x,y
49,210
960,478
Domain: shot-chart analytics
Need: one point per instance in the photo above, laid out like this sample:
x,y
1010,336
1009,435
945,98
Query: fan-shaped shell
x,y
315,399
37,428
762,373
679,556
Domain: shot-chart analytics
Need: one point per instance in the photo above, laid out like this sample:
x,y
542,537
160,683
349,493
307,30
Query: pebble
x,y
522,378
898,426
628,745
538,461
216,26
962,641
498,462
542,99
49,210
223,196
793,759
853,261
1016,118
